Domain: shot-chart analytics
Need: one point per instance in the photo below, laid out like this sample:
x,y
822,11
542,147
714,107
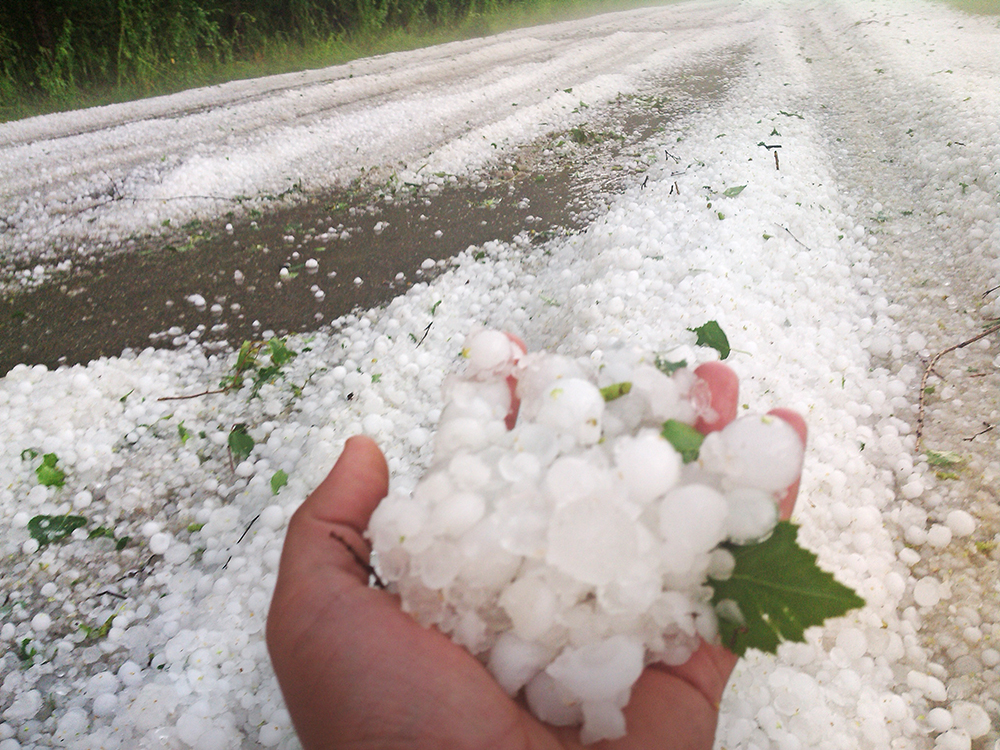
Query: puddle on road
x,y
380,235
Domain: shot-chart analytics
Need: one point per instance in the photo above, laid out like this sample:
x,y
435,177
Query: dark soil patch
x,y
381,235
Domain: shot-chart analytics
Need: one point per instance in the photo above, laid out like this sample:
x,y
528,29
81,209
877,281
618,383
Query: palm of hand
x,y
357,671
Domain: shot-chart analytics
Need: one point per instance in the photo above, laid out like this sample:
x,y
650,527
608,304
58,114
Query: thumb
x,y
328,528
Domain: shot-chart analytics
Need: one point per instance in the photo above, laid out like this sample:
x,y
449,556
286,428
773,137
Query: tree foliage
x,y
55,49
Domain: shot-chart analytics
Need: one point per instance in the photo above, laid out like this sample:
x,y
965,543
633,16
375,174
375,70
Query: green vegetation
x,y
57,56
775,592
983,7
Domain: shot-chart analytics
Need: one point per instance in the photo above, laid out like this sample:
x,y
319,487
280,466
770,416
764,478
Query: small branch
x,y
981,432
988,292
109,593
426,331
192,395
790,231
247,529
930,367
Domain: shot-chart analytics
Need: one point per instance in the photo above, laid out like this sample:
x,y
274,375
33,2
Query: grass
x,y
981,7
279,54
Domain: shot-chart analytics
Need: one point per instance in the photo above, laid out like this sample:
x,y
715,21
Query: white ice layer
x,y
183,663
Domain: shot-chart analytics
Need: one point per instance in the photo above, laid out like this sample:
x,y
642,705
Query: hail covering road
x,y
837,275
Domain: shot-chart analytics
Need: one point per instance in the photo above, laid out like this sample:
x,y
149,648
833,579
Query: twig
x,y
372,573
192,395
981,432
930,367
988,292
426,331
109,593
790,231
776,161
248,528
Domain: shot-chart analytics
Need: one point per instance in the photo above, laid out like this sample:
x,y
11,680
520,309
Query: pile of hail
x,y
572,520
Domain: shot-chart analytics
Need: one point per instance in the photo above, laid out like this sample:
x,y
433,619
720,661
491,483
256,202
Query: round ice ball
x,y
692,522
602,671
592,540
752,515
648,465
573,406
971,717
489,353
755,451
513,661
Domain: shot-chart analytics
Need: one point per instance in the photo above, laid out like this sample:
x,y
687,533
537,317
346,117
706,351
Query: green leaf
x,y
685,439
776,591
945,458
615,390
48,529
47,472
279,480
667,367
711,335
733,191
184,433
280,354
240,443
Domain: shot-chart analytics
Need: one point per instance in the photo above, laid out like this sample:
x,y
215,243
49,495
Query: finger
x,y
353,488
787,502
328,528
724,390
515,403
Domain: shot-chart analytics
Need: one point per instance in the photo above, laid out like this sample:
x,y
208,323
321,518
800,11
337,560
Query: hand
x,y
358,672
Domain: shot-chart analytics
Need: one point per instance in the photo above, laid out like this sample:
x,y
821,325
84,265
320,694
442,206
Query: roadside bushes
x,y
56,54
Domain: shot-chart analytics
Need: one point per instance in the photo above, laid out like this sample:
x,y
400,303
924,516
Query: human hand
x,y
357,671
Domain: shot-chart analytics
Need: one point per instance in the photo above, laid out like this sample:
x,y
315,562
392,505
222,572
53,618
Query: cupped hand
x,y
356,671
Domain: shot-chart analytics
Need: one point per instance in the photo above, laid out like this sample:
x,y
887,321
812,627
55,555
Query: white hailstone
x,y
312,265
692,522
489,353
591,541
953,739
648,465
600,674
927,592
513,661
939,536
273,517
763,452
659,392
551,702
571,479
940,719
531,606
971,718
960,523
197,300
41,622
105,704
752,515
130,674
462,511
852,642
159,543
573,407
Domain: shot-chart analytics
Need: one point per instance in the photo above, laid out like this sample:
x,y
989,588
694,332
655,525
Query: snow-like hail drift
x,y
573,549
